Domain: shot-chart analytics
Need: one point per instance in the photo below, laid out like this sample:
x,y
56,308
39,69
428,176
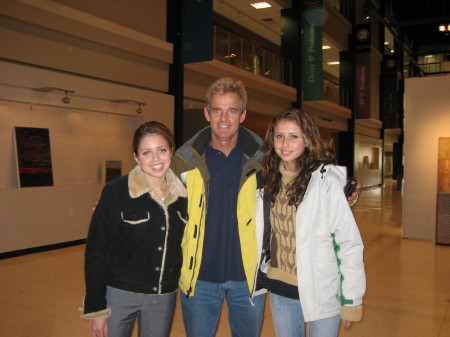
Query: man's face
x,y
225,117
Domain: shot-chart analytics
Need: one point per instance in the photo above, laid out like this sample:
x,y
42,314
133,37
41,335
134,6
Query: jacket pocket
x,y
135,217
327,282
183,217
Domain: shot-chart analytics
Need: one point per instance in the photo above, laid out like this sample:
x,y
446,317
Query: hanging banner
x,y
362,84
390,112
362,72
312,23
197,31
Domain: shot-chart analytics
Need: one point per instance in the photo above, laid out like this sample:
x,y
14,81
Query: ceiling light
x,y
130,101
66,99
333,63
386,43
326,47
260,5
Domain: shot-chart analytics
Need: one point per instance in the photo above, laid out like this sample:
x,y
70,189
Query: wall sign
x,y
34,160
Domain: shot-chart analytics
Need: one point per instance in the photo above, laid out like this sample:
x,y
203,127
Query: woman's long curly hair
x,y
317,152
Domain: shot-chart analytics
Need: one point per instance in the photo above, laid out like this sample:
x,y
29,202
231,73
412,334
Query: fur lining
x,y
105,313
138,186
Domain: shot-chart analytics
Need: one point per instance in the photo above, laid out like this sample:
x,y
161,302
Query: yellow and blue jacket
x,y
190,166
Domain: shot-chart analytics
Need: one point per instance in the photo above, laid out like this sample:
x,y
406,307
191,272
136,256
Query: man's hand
x,y
353,198
96,203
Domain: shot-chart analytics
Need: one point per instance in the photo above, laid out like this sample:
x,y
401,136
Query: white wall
x,y
82,134
427,117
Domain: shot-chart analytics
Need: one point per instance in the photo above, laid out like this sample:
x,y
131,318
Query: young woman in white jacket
x,y
316,270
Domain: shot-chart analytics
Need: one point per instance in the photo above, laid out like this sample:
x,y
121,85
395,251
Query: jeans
x,y
154,313
201,312
289,321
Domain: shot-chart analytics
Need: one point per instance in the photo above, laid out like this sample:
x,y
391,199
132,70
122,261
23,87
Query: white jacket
x,y
330,267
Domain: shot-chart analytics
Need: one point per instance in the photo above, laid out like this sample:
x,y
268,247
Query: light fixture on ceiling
x,y
326,47
65,99
261,5
129,101
139,108
444,28
333,63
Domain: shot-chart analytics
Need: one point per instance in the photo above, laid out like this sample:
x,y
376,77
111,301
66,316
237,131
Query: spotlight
x,y
66,99
139,108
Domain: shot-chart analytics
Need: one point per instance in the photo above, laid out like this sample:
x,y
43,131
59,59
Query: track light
x,y
129,101
65,99
139,109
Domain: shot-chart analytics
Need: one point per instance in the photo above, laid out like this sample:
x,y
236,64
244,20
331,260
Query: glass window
x,y
221,44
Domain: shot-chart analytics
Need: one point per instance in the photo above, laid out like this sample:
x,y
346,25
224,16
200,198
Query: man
x,y
222,243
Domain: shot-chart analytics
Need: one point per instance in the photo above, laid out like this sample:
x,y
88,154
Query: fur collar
x,y
138,186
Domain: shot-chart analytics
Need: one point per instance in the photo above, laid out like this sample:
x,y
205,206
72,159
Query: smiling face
x,y
288,143
154,155
225,116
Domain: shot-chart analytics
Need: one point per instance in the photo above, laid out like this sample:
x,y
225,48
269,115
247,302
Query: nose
x,y
224,116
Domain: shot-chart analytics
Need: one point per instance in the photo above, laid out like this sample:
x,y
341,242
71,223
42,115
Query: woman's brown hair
x,y
152,128
317,152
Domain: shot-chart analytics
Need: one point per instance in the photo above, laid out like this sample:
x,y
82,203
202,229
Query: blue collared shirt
x,y
222,260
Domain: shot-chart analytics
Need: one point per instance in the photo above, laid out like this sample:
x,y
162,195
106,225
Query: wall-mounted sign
x,y
34,160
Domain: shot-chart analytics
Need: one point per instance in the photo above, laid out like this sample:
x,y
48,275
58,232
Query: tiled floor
x,y
408,284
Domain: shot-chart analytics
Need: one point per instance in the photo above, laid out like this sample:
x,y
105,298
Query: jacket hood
x,y
250,141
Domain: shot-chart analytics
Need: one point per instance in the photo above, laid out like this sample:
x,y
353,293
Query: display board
x,y
34,160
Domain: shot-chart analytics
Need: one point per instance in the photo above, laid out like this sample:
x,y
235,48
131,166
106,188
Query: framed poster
x,y
34,160
111,169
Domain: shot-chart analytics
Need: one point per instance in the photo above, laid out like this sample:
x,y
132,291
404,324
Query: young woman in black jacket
x,y
133,249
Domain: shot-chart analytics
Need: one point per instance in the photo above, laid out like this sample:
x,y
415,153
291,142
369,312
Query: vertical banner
x,y
362,85
312,23
197,31
390,113
362,71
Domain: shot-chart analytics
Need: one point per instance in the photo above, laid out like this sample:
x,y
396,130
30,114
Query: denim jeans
x,y
201,312
289,321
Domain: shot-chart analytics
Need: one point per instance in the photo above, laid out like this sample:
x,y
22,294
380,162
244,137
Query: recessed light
x,y
326,47
333,63
260,5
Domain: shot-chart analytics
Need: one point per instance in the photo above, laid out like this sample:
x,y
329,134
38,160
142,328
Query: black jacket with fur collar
x,y
134,240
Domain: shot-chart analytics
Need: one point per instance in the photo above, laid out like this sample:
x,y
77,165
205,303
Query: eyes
x,y
281,136
231,112
161,150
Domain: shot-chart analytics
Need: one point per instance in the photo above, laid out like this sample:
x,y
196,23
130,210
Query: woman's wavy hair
x,y
317,152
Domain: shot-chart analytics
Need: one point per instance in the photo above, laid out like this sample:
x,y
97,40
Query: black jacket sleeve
x,y
101,237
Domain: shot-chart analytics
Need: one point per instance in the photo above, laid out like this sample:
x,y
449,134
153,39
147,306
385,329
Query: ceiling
x,y
419,22
416,23
266,22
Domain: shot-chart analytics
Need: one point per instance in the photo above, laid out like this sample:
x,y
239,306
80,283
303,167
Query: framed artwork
x,y
34,160
111,169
